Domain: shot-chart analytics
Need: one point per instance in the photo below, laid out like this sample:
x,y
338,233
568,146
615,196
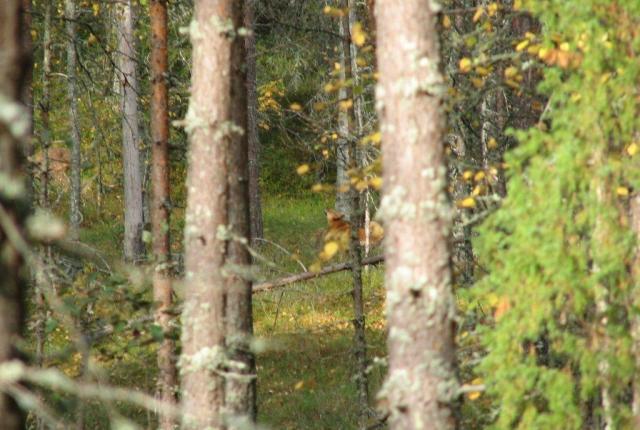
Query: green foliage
x,y
559,250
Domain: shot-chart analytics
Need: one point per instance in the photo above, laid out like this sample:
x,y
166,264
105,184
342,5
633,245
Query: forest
x,y
320,214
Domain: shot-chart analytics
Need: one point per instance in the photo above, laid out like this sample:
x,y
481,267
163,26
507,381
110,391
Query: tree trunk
x,y
240,389
635,322
355,213
41,307
255,200
14,207
217,84
133,207
75,215
160,208
343,153
421,384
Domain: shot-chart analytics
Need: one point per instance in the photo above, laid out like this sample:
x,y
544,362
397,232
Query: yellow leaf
x,y
622,191
465,65
358,35
473,395
446,21
376,182
303,169
479,176
329,88
522,45
467,175
492,9
633,149
482,71
316,188
510,72
299,385
345,105
334,136
564,47
296,107
330,249
468,203
478,14
96,9
492,143
477,82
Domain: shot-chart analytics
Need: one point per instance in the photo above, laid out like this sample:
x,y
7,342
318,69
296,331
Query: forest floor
x,y
305,370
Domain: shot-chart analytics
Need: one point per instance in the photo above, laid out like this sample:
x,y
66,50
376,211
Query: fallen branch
x,y
305,276
82,251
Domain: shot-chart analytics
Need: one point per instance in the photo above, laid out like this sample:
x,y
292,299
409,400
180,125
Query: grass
x,y
305,373
305,380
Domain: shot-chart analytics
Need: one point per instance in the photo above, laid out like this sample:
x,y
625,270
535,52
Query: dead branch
x,y
305,276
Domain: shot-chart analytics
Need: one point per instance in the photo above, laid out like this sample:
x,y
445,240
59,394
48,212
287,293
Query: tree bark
x,y
421,384
75,215
240,389
216,86
14,206
635,322
160,209
343,150
351,125
41,307
255,199
133,207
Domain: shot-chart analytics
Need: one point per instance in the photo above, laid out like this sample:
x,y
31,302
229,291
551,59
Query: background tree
x,y
75,194
255,201
421,383
161,206
131,140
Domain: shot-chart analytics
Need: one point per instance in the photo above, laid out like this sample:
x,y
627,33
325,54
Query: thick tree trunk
x,y
133,207
14,207
160,208
421,383
255,200
216,86
240,389
75,215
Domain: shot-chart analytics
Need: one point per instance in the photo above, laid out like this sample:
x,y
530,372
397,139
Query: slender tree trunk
x,y
343,152
421,384
160,208
255,200
41,307
635,322
27,90
355,213
133,207
216,86
14,207
75,215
